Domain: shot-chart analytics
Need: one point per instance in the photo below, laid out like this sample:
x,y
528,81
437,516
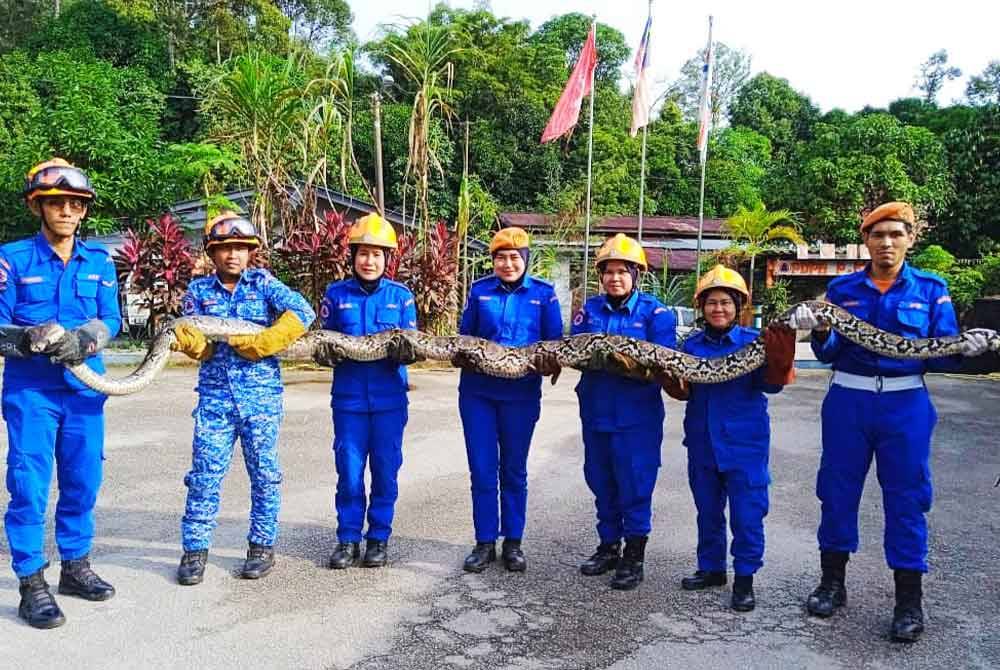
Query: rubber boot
x,y
512,556
604,559
77,579
831,592
260,560
703,579
630,570
376,554
38,607
482,555
192,568
908,616
743,599
344,555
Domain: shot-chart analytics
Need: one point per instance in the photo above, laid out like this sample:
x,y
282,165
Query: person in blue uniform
x,y
52,419
369,399
727,435
879,407
514,309
239,393
622,417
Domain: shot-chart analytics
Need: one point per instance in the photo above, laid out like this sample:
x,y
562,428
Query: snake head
x,y
42,338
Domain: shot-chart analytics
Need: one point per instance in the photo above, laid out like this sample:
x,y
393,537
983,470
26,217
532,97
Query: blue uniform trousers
x,y
375,438
620,468
497,439
896,428
748,506
66,426
217,425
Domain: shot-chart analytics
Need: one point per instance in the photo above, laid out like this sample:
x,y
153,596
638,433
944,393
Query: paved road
x,y
423,612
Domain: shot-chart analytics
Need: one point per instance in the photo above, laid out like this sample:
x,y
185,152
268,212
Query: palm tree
x,y
754,231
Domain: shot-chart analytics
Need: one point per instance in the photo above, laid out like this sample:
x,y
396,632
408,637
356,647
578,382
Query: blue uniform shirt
x,y
528,314
917,305
259,297
375,386
726,424
609,402
37,287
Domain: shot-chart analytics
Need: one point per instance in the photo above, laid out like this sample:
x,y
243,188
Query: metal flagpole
x,y
642,182
590,166
707,120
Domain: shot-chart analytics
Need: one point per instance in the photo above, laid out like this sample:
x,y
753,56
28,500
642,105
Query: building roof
x,y
652,226
676,259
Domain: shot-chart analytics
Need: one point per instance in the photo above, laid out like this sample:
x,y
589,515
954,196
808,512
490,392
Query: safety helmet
x,y
509,238
373,230
57,177
228,227
723,278
621,247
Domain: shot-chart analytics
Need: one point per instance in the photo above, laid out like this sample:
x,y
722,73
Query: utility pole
x,y
379,186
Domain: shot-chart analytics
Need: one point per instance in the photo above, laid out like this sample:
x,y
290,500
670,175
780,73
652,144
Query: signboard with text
x,y
816,268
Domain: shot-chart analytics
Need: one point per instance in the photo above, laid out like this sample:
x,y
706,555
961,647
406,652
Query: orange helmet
x,y
57,177
228,227
373,230
510,238
621,247
721,277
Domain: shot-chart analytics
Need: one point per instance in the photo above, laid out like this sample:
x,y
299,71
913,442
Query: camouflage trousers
x,y
217,425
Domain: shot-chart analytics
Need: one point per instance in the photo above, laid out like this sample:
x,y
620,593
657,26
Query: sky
x,y
842,53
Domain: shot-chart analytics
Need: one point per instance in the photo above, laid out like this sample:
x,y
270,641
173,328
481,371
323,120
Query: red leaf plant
x,y
430,270
312,256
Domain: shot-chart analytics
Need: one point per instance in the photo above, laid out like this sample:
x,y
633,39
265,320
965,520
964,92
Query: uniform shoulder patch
x,y
579,317
187,304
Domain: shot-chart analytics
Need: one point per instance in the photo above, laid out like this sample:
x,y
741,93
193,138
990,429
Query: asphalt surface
x,y
422,611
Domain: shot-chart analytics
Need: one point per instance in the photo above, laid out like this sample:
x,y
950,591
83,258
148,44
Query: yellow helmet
x,y
509,238
229,227
722,277
621,247
372,229
57,177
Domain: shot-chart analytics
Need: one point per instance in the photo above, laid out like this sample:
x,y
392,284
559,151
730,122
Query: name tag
x,y
391,306
32,280
485,298
346,305
93,277
851,303
208,302
535,302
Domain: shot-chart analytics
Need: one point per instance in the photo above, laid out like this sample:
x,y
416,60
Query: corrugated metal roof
x,y
652,226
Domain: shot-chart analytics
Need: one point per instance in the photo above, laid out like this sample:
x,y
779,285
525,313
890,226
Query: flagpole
x,y
642,182
704,159
590,166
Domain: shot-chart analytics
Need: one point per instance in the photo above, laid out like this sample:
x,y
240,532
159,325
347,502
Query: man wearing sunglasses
x,y
239,393
52,419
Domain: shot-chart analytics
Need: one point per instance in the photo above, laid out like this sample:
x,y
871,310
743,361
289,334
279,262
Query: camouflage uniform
x,y
241,398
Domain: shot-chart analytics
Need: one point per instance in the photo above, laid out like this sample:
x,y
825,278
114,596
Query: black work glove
x,y
465,360
70,347
403,351
14,342
326,354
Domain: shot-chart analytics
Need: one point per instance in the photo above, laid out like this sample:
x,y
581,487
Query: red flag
x,y
567,111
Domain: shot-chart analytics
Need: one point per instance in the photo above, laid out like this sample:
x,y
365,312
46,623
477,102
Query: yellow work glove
x,y
286,329
192,342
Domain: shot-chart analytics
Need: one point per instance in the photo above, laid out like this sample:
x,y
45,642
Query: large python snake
x,y
512,362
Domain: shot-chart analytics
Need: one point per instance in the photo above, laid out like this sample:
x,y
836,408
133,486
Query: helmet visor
x,y
60,177
228,229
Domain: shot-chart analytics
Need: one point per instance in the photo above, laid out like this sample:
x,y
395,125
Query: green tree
x,y
568,33
771,107
934,74
320,24
730,72
984,88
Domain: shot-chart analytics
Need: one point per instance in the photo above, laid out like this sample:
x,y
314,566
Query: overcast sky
x,y
842,53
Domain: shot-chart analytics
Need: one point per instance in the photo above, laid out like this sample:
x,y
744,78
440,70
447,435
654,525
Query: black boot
x,y
38,607
376,554
77,579
345,555
908,616
605,558
743,600
192,568
513,557
482,555
831,592
629,572
260,560
703,579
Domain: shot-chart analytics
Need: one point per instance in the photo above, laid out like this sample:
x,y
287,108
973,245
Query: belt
x,y
877,384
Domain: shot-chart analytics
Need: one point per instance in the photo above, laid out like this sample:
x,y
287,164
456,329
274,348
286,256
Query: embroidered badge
x,y
4,263
187,305
324,310
578,318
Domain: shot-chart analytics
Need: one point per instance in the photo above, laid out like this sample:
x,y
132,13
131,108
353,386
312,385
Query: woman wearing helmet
x,y
512,308
368,399
622,416
239,393
727,433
